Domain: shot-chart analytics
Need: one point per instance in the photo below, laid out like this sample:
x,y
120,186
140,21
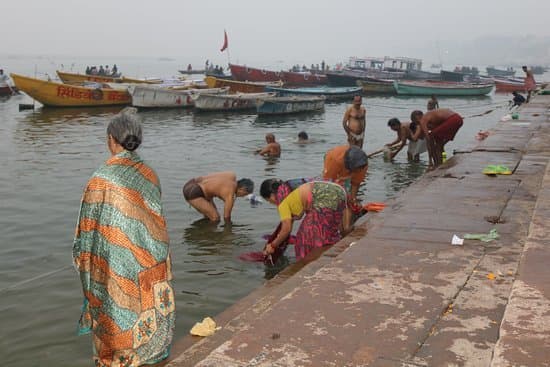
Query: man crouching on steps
x,y
201,191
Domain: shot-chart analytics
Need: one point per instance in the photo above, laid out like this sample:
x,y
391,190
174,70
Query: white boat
x,y
229,102
145,96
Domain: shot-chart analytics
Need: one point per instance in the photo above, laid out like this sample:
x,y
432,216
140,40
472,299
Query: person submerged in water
x,y
354,122
201,191
272,149
433,103
303,138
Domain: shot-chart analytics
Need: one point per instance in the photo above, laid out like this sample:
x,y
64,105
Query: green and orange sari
x,y
121,252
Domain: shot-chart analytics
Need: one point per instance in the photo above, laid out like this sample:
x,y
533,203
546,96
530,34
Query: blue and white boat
x,y
330,93
288,105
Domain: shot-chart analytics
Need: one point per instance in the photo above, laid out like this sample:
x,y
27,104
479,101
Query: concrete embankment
x,y
397,293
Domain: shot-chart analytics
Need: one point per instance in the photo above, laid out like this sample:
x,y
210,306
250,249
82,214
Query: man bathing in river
x,y
201,191
437,127
272,149
354,122
404,132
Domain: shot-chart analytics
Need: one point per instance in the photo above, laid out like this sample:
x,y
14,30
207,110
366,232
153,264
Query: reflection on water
x,y
49,154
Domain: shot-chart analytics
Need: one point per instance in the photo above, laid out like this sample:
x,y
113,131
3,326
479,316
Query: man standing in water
x,y
354,122
272,149
201,191
437,127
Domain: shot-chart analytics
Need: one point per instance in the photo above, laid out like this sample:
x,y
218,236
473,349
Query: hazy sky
x,y
260,30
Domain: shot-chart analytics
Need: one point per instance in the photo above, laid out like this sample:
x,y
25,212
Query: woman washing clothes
x,y
320,204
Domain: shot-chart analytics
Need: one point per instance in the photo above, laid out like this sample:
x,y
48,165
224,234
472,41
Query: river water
x,y
49,154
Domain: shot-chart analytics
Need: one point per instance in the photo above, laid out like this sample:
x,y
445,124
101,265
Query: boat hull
x,y
80,78
236,86
442,89
64,95
371,87
7,91
151,97
508,87
244,73
289,105
229,102
330,93
499,72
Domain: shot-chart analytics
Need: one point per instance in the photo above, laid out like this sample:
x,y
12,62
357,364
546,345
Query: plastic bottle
x,y
443,156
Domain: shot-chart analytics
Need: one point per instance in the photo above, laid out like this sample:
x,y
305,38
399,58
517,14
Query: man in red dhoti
x,y
437,127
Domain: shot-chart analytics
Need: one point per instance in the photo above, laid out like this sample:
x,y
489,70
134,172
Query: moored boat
x,y
65,95
509,85
229,102
377,87
441,88
421,75
245,73
79,78
289,105
238,86
330,93
145,96
7,91
492,71
349,78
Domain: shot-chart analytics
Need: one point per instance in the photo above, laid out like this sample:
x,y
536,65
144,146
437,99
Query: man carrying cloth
x,y
347,166
437,127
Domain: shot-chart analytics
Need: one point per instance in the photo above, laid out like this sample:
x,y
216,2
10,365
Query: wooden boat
x,y
330,93
377,87
79,78
421,75
66,95
441,88
288,105
460,74
349,78
291,78
145,96
192,71
509,85
242,87
492,71
228,102
7,91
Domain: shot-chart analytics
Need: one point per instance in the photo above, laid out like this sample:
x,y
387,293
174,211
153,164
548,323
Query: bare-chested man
x,y
437,127
354,122
201,191
404,132
272,149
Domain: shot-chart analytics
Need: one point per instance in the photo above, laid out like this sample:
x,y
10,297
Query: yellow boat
x,y
79,78
242,87
65,95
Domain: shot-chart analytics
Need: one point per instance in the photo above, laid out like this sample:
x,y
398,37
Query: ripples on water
x,y
49,155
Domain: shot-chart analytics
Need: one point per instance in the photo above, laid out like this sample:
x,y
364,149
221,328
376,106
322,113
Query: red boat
x,y
507,85
7,91
245,73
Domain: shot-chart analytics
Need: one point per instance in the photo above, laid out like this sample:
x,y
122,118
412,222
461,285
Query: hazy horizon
x,y
285,32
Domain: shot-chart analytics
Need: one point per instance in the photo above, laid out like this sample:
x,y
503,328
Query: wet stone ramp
x,y
397,293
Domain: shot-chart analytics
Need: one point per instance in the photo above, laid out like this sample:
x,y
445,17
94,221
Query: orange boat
x,y
65,95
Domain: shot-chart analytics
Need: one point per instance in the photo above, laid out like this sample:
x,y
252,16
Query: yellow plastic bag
x,y
205,328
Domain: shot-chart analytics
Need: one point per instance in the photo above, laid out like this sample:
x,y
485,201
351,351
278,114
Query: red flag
x,y
225,44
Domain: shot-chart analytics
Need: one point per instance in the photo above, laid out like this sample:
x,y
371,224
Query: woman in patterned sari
x,y
121,252
321,204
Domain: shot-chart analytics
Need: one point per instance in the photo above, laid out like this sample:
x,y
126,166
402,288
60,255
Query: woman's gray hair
x,y
125,128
